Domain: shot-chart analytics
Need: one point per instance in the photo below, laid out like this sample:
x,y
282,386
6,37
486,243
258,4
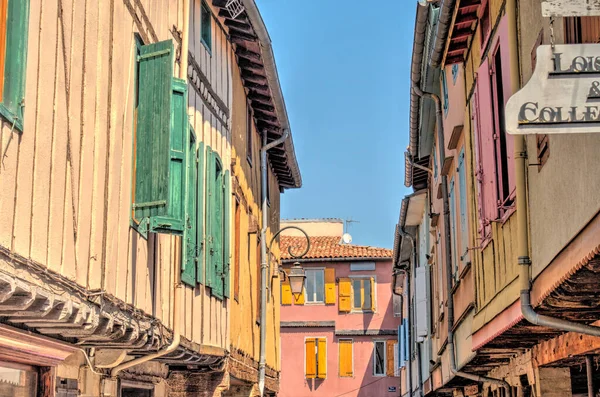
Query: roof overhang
x,y
255,58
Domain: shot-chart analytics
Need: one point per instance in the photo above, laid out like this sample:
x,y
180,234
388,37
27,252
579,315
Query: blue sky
x,y
344,71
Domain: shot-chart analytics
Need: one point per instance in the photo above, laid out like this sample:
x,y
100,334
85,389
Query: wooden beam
x,y
255,78
254,86
564,346
455,59
238,34
466,18
457,47
246,53
263,106
462,34
469,3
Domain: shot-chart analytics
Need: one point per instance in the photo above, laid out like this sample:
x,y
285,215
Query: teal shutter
x,y
173,220
17,26
462,185
153,130
226,234
217,230
201,192
190,246
210,197
452,199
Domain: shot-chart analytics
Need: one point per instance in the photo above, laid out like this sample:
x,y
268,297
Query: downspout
x,y
448,248
520,155
177,265
263,252
409,309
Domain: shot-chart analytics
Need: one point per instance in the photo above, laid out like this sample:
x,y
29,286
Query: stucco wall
x,y
314,227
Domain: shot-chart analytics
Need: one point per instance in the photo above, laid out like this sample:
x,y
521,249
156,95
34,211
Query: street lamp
x,y
297,277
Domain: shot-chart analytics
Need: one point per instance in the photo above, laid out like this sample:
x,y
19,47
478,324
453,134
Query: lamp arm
x,y
289,248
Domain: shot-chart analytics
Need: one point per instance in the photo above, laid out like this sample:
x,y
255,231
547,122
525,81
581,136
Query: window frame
x,y
207,43
305,289
351,354
373,293
384,364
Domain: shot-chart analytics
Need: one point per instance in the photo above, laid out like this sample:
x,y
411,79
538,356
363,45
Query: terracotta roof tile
x,y
329,247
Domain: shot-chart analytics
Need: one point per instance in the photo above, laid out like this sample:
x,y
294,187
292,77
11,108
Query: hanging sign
x,y
570,8
562,96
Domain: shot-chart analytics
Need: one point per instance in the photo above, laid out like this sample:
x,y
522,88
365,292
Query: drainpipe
x,y
263,251
409,309
448,247
589,368
177,268
520,155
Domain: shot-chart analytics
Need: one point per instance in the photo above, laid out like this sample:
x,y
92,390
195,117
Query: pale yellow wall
x,y
314,227
245,331
66,180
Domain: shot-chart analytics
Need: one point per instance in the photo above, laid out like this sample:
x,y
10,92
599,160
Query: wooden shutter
x,y
286,292
344,292
189,247
321,358
236,258
299,298
346,369
330,286
153,131
200,212
452,199
226,234
389,344
15,45
217,229
462,183
310,358
210,217
372,281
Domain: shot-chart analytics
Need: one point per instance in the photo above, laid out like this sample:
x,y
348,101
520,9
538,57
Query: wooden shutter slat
x,y
310,358
153,130
344,291
330,286
226,234
322,358
200,211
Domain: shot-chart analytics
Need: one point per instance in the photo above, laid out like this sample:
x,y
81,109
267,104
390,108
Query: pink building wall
x,y
363,383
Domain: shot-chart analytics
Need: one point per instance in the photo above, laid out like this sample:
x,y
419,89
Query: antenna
x,y
347,224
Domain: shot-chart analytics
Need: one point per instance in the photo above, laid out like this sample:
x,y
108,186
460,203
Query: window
x,y
315,285
581,30
397,304
500,137
249,123
445,91
379,358
362,294
315,358
206,27
161,134
14,20
136,389
18,380
346,358
485,23
217,224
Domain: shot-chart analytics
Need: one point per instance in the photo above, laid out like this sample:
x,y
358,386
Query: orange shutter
x,y
299,299
330,286
345,289
345,357
322,358
390,357
310,358
286,292
372,280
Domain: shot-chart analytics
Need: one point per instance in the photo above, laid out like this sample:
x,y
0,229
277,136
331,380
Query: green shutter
x,y
152,140
17,22
210,192
226,234
190,246
200,213
217,229
173,220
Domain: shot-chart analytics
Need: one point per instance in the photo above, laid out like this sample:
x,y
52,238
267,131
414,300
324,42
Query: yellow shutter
x,y
330,286
372,294
286,292
322,358
345,289
299,299
310,358
390,357
345,357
